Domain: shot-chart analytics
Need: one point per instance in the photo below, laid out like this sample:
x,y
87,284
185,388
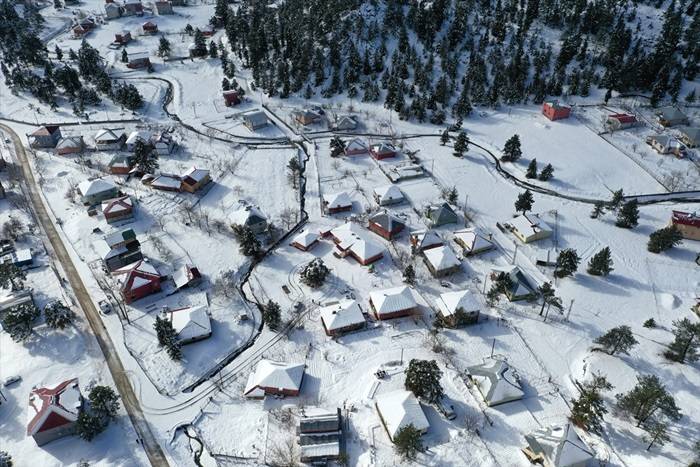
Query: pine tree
x,y
650,323
598,209
423,379
617,340
461,144
588,409
337,146
293,171
213,50
104,402
512,150
567,263
648,398
145,157
225,85
664,238
188,29
657,432
89,426
444,137
249,244
686,342
200,44
531,169
11,276
125,56
628,216
59,53
315,273
163,47
407,442
18,321
272,315
524,202
601,264
409,275
451,195
5,459
548,296
616,199
546,173
58,315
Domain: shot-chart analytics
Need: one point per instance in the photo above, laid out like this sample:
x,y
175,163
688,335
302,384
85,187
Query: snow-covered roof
x,y
274,375
106,135
184,275
305,238
442,214
256,118
351,236
56,405
46,130
191,323
115,205
392,300
105,251
387,221
70,142
141,266
474,240
450,302
529,224
337,200
497,381
94,187
196,174
167,182
247,215
345,122
356,145
425,239
388,193
561,445
670,113
341,315
399,409
382,148
441,258
119,236
140,135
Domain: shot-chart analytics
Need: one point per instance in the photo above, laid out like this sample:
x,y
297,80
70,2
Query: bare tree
x,y
284,454
288,217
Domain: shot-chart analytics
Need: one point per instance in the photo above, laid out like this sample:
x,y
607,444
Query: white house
x,y
558,446
441,261
497,382
459,307
276,378
135,136
530,228
388,194
191,324
337,202
392,303
341,317
473,241
398,409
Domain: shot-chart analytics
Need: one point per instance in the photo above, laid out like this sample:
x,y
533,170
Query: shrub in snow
x,y
617,340
19,321
58,315
314,274
407,442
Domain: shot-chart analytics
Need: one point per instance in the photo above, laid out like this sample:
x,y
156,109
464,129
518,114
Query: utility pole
x,y
493,346
568,313
515,253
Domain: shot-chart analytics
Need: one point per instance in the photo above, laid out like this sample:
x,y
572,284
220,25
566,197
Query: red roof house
x,y
385,225
53,411
231,98
139,280
621,121
123,37
382,151
149,27
688,223
117,209
553,110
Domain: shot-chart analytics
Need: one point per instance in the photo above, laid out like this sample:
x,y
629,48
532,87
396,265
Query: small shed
x,y
165,182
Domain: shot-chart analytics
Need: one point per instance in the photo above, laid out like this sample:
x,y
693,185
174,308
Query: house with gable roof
x,y
53,411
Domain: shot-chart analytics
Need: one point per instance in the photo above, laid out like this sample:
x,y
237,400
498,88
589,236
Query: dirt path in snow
x,y
131,403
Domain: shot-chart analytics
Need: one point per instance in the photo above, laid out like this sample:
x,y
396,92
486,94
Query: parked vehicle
x,y
105,307
445,407
12,380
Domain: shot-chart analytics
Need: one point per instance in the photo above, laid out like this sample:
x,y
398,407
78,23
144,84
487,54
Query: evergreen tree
x,y
657,431
664,238
601,264
616,199
546,173
451,195
11,276
617,340
548,296
588,409
461,144
691,98
444,137
128,96
59,53
650,323
272,315
532,169
167,337
249,244
200,44
686,342
5,459
188,29
104,402
628,216
294,171
213,50
598,209
125,56
567,263
423,380
648,398
89,426
524,202
407,442
315,273
337,146
164,47
145,157
225,85
18,321
512,150
58,315
409,275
